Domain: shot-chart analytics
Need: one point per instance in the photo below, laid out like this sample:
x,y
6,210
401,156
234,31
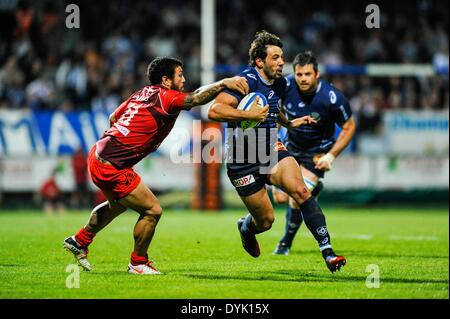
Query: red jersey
x,y
79,167
49,190
143,121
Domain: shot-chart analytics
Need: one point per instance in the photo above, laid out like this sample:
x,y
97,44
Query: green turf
x,y
201,256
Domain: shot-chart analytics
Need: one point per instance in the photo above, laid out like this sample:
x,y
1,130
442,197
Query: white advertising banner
x,y
417,133
409,173
22,174
25,174
350,172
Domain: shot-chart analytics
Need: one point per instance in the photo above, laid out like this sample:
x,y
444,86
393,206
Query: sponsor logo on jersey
x,y
252,76
301,104
122,129
244,181
280,146
332,97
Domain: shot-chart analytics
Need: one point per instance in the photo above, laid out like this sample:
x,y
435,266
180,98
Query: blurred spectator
x,y
105,101
40,93
441,57
44,65
12,84
51,195
80,196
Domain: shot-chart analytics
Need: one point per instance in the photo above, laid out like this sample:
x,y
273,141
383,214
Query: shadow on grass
x,y
295,276
12,265
364,253
393,255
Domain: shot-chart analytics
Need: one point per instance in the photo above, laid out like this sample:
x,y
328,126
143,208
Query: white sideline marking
x,y
356,236
370,236
416,238
352,236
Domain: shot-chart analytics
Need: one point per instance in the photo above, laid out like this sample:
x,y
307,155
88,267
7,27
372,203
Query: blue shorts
x,y
306,160
247,178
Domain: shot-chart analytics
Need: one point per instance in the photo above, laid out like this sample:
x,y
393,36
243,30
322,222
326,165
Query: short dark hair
x,y
304,58
162,66
258,48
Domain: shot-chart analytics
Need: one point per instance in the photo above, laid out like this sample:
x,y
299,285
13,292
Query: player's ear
x,y
259,62
317,74
166,81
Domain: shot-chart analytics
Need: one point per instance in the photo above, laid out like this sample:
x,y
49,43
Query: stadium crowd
x,y
46,66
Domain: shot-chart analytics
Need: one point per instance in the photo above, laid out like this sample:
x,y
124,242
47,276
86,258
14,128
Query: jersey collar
x,y
319,86
263,80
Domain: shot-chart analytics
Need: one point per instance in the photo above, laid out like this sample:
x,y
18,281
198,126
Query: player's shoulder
x,y
145,92
162,91
250,73
328,90
289,80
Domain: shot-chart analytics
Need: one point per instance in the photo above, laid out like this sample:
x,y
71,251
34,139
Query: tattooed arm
x,y
207,93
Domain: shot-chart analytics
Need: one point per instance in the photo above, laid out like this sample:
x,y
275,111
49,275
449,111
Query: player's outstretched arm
x,y
282,120
207,93
224,110
344,138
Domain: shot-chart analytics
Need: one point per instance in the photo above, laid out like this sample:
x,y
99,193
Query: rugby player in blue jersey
x,y
249,173
314,146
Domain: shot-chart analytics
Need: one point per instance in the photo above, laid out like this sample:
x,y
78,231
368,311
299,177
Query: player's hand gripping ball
x,y
245,105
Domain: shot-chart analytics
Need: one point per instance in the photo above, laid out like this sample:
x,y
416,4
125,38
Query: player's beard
x,y
178,87
272,75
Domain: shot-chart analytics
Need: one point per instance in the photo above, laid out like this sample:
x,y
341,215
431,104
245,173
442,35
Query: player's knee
x,y
267,223
302,193
155,211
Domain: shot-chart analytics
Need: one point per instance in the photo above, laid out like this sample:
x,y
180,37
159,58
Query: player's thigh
x,y
259,206
281,197
142,200
287,175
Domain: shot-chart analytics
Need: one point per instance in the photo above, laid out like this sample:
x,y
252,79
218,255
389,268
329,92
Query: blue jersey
x,y
274,93
331,108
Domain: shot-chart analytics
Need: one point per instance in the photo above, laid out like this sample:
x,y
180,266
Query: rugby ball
x,y
245,104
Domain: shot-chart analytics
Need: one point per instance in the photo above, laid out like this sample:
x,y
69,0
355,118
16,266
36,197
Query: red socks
x,y
138,260
84,238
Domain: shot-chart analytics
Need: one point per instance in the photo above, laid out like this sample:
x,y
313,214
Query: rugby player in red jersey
x,y
137,128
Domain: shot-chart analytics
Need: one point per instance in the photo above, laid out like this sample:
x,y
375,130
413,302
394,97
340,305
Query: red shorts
x,y
114,183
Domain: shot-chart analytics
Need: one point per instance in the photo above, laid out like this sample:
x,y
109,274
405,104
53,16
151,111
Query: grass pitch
x,y
201,256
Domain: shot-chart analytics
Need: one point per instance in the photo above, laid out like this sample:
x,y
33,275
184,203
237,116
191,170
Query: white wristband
x,y
328,158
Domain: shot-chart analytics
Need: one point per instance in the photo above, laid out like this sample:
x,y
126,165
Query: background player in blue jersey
x,y
249,175
314,146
